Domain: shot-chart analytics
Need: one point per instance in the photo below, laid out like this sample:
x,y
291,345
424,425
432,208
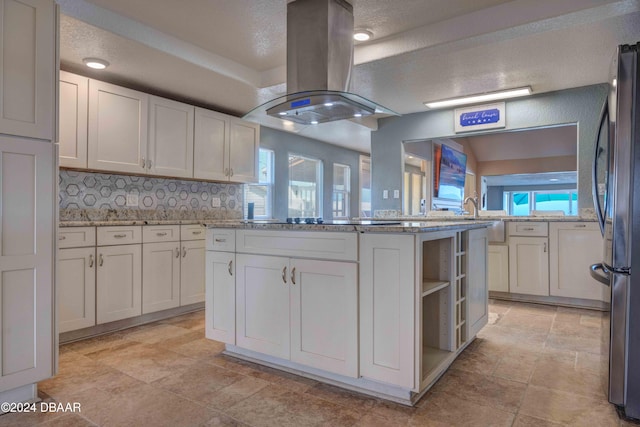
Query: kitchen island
x,y
379,308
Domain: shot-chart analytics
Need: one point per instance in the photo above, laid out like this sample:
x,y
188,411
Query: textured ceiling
x,y
230,54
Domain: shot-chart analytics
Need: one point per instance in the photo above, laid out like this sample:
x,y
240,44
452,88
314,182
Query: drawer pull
x,y
528,229
293,275
184,252
91,261
177,252
231,268
220,240
101,261
161,234
580,225
119,236
284,274
545,246
196,232
62,237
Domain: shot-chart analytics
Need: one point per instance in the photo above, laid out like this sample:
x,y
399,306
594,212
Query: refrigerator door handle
x,y
602,278
594,178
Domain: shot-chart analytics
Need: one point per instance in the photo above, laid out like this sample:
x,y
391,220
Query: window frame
x,y
269,184
508,197
319,178
346,193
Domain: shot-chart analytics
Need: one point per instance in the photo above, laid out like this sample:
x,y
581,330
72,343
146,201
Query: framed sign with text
x,y
479,117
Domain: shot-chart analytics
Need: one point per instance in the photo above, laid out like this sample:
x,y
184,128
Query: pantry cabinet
x,y
170,149
73,103
117,128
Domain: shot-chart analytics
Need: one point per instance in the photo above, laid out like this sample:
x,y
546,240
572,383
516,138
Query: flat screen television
x,y
450,170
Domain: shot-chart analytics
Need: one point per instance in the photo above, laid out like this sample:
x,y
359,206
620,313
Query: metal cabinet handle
x,y
231,268
293,275
184,251
545,246
101,261
177,252
220,240
149,164
142,163
62,237
580,225
161,234
91,261
528,228
226,171
196,232
119,236
231,172
284,274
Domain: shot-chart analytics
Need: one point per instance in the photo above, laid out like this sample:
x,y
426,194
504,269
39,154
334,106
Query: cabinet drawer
x,y
114,235
160,233
538,229
192,232
221,239
299,244
76,237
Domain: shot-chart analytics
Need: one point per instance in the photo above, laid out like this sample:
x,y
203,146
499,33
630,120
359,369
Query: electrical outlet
x,y
396,194
132,200
385,194
215,202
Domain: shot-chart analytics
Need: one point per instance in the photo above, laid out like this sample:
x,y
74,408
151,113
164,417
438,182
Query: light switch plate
x,y
396,194
215,202
132,200
385,194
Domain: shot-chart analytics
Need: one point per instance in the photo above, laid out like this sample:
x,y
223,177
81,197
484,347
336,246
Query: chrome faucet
x,y
473,200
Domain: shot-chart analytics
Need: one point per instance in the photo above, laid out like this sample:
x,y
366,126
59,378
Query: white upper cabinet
x,y
170,138
117,128
28,68
225,147
73,120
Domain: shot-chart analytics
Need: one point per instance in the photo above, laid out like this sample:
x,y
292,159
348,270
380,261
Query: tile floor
x,y
533,365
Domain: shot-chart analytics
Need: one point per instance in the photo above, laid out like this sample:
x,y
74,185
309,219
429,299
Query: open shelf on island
x,y
431,286
432,358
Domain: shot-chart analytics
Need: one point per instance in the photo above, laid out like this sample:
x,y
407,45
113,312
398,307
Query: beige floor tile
x,y
232,394
393,411
92,345
69,420
576,329
591,362
537,309
568,408
526,320
201,348
516,367
370,420
20,419
527,421
565,377
447,410
155,333
340,396
573,343
187,321
471,361
223,420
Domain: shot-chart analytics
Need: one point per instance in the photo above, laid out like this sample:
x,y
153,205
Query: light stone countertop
x,y
385,226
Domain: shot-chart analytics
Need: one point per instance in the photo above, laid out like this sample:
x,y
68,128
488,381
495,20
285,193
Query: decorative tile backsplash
x,y
99,192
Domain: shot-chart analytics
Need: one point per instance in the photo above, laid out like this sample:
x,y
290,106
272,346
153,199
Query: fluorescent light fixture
x,y
95,63
362,35
482,97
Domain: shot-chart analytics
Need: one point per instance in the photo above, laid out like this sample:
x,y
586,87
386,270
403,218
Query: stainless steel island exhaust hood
x,y
319,62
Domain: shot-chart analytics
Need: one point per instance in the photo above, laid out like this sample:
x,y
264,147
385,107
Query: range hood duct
x,y
319,62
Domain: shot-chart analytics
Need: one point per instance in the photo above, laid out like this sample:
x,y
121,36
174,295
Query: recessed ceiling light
x,y
357,115
328,104
314,122
362,35
554,179
282,113
482,97
95,63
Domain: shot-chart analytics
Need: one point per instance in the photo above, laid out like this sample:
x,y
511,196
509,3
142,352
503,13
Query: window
x,y
341,189
365,186
305,187
261,194
523,202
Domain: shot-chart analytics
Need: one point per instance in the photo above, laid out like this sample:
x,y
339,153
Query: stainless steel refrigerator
x,y
616,193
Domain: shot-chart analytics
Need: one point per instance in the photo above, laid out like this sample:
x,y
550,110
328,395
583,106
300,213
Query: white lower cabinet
x,y
76,288
573,247
192,268
529,265
160,276
220,302
118,282
498,268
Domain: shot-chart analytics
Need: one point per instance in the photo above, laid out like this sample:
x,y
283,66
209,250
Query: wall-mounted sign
x,y
489,116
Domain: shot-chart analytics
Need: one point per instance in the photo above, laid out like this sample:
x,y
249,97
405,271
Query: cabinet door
x,y
27,210
387,326
73,120
262,304
76,289
477,291
528,265
117,139
498,268
220,305
324,315
160,276
192,268
573,247
211,145
118,282
28,68
244,147
170,137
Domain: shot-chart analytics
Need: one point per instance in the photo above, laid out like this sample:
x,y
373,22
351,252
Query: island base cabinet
x,y
161,276
220,289
477,290
324,315
262,304
192,269
118,283
76,289
387,329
